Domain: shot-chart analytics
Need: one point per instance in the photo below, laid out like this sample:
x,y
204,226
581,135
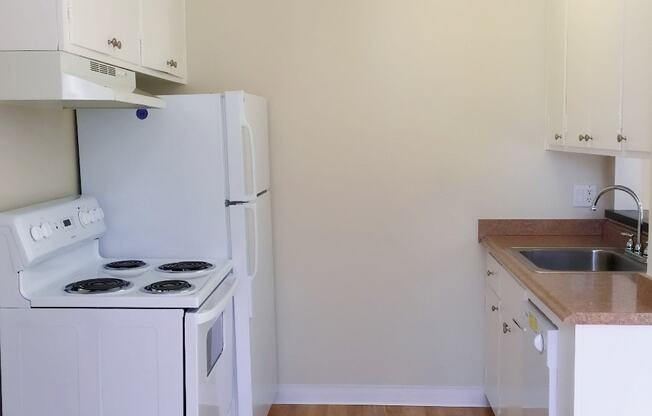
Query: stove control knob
x,y
84,218
97,214
36,233
46,230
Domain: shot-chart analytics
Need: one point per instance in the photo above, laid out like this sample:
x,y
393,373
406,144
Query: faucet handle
x,y
630,242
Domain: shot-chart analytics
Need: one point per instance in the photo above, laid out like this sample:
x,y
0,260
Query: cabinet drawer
x,y
492,274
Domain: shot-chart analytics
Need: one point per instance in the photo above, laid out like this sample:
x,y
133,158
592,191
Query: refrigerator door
x,y
172,162
247,145
255,306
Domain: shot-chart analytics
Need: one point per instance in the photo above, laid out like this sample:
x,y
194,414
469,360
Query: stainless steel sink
x,y
580,260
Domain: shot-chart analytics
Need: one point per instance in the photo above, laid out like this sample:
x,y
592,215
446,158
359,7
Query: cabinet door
x,y
156,34
637,85
492,348
605,47
594,72
555,68
90,24
164,36
511,363
577,72
125,25
95,25
178,37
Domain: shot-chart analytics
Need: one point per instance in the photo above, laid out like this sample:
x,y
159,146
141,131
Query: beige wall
x,y
38,155
634,173
394,126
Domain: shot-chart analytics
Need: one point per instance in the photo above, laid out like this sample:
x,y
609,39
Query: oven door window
x,y
214,343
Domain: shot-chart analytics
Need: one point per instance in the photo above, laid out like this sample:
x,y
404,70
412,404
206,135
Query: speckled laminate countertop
x,y
578,298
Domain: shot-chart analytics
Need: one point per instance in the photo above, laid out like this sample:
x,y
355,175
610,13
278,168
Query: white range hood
x,y
60,79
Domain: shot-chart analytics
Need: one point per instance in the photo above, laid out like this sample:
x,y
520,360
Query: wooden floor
x,y
327,410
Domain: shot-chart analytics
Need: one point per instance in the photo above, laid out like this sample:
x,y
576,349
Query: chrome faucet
x,y
637,247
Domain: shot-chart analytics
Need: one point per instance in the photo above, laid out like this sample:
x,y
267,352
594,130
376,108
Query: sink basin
x,y
581,260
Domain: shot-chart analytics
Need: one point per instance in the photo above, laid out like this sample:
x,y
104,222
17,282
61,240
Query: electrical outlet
x,y
583,195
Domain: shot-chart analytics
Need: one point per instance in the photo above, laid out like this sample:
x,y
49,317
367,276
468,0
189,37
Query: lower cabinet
x,y
536,367
492,347
504,343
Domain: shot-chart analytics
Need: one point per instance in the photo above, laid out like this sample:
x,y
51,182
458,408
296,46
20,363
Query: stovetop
x,y
132,283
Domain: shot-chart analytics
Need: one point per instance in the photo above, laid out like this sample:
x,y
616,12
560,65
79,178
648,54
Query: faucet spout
x,y
638,248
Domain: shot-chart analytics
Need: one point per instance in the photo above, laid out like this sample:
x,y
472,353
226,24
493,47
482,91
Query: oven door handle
x,y
215,310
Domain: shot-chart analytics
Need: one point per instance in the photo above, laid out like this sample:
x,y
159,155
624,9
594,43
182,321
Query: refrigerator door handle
x,y
252,208
252,157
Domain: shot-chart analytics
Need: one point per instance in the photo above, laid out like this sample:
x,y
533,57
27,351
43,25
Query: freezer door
x,y
255,307
247,145
159,176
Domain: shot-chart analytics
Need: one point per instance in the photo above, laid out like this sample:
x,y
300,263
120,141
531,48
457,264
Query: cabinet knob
x,y
494,308
587,137
506,328
557,136
172,63
621,138
582,137
490,273
115,43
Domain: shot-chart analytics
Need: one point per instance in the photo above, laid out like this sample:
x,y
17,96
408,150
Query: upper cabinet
x,y
598,91
555,64
637,81
107,27
164,36
145,36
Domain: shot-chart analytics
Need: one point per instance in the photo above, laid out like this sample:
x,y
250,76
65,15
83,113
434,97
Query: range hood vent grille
x,y
102,68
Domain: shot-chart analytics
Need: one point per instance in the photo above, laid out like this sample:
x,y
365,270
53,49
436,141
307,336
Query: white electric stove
x,y
101,336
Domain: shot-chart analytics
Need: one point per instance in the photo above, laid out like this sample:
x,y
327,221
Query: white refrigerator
x,y
199,169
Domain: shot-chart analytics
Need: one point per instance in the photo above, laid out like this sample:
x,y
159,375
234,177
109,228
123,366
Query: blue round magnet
x,y
142,113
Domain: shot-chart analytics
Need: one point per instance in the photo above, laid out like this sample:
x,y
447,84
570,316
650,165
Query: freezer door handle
x,y
249,132
252,208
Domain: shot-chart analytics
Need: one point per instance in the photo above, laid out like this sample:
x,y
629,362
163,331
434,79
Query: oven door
x,y
210,354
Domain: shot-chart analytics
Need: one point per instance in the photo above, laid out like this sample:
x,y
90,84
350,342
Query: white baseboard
x,y
382,395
